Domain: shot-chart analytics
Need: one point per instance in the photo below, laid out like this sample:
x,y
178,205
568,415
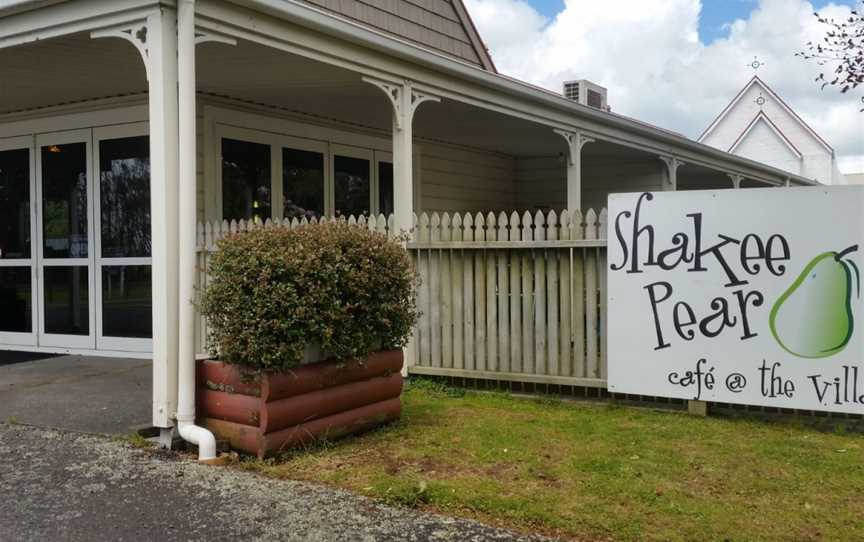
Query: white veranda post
x,y
156,39
575,141
405,100
672,164
736,180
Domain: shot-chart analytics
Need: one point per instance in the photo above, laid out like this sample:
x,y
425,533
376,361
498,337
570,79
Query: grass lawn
x,y
599,472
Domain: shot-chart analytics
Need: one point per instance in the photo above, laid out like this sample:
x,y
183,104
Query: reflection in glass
x,y
66,300
245,180
15,204
64,200
385,188
126,301
16,306
124,193
303,183
352,186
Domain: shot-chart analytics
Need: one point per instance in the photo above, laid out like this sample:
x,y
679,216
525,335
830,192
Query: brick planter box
x,y
268,413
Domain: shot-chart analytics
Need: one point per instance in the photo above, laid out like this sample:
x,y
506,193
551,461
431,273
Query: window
x,y
16,299
127,301
351,186
385,188
124,193
264,175
125,281
245,180
15,204
67,300
302,183
64,200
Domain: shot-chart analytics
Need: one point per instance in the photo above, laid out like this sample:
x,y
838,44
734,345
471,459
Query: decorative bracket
x,y
418,98
135,33
736,180
575,141
672,165
404,99
205,35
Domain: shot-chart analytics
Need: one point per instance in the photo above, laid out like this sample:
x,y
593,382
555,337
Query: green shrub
x,y
274,291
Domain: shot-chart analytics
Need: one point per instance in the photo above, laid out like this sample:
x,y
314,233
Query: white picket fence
x,y
518,298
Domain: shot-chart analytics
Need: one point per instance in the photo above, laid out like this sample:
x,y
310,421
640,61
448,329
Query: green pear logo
x,y
813,318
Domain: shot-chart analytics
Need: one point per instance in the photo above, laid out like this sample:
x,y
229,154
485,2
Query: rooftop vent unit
x,y
587,93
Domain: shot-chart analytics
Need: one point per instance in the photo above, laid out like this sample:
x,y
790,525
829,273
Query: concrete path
x,y
74,487
78,393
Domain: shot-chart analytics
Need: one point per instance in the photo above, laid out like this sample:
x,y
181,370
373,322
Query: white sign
x,y
747,296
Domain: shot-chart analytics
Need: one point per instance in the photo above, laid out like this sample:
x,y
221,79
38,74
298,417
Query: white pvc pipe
x,y
190,432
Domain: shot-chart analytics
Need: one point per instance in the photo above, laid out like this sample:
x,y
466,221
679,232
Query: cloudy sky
x,y
675,63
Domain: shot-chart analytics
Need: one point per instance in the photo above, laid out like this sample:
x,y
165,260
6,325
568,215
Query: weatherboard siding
x,y
430,23
763,144
454,179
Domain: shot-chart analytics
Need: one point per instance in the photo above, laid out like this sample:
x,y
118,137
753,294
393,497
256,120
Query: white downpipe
x,y
190,432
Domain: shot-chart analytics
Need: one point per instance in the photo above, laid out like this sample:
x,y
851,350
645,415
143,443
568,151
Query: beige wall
x,y
541,182
453,179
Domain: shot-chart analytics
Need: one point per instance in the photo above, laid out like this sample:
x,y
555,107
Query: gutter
x,y
342,29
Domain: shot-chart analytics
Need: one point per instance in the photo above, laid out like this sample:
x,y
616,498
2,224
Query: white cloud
x,y
649,55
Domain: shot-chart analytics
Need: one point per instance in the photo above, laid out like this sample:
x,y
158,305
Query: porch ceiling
x,y
70,69
77,68
271,77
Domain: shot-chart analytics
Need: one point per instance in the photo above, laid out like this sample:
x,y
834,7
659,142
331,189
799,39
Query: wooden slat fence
x,y
518,297
512,297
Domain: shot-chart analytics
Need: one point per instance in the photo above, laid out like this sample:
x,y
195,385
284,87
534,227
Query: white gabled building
x,y
757,124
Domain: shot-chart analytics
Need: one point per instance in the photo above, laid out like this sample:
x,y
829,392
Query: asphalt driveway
x,y
77,393
78,487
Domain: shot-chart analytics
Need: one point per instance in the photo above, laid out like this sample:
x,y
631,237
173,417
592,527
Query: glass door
x,y
123,287
65,240
17,226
